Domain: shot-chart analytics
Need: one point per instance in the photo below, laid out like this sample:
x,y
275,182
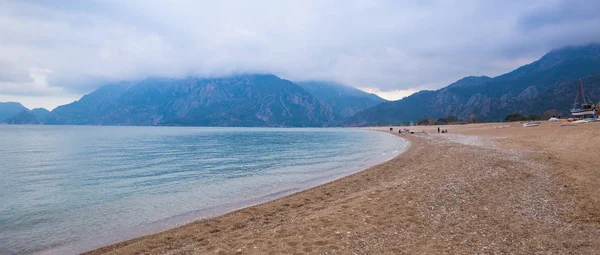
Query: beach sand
x,y
477,189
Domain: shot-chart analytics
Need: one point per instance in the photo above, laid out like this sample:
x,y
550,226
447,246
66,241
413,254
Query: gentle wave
x,y
67,189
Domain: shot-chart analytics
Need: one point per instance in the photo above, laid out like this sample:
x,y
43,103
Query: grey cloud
x,y
9,73
562,12
387,45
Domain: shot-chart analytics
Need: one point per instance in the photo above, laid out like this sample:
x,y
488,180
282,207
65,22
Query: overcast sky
x,y
53,52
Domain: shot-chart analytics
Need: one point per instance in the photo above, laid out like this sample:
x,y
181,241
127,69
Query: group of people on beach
x,y
405,130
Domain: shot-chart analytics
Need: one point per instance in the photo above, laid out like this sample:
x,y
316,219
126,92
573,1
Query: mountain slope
x,y
491,98
23,117
561,97
344,100
8,109
40,113
470,82
246,100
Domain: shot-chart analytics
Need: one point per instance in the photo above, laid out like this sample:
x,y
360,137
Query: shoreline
x,y
176,221
443,193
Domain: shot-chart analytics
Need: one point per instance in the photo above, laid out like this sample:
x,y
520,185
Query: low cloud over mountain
x,y
51,53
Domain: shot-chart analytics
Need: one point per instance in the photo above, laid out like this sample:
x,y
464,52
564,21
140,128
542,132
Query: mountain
x,y
561,97
245,100
470,82
40,113
344,100
8,109
494,98
25,116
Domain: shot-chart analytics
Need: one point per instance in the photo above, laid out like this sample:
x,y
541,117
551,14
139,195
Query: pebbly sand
x,y
482,188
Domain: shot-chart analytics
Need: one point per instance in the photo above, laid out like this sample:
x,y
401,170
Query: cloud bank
x,y
58,50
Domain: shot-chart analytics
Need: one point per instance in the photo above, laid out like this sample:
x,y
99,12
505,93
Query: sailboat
x,y
582,106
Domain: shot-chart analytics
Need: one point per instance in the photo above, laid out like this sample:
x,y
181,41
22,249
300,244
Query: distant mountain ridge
x,y
23,117
40,113
470,82
16,113
267,100
493,98
344,100
9,109
245,100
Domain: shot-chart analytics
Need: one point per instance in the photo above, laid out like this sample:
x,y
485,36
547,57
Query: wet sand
x,y
477,189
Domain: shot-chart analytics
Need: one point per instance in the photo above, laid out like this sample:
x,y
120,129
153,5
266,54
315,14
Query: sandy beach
x,y
481,188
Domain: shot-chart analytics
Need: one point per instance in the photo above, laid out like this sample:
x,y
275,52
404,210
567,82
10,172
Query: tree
x,y
441,121
515,117
431,121
534,117
471,118
422,122
452,118
551,113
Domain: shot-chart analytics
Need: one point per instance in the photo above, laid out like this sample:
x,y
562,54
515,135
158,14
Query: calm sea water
x,y
67,189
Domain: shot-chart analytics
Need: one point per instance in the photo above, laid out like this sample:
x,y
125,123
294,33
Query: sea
x,y
70,189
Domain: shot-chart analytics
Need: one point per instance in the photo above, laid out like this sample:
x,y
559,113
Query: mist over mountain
x,y
528,89
344,100
267,100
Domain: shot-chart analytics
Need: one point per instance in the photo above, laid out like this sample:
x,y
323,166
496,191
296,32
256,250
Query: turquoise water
x,y
68,189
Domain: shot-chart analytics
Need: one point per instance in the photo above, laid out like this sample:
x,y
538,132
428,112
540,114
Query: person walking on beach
x,y
438,130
